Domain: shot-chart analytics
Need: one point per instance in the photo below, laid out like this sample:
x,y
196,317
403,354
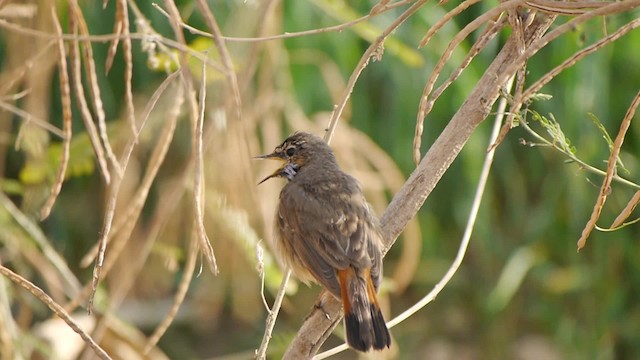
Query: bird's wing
x,y
329,233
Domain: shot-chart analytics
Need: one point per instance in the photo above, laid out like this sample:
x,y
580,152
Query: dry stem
x,y
56,308
605,189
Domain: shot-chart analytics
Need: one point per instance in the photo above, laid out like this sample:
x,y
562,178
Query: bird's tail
x,y
363,321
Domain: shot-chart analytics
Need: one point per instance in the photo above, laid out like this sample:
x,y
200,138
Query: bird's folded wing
x,y
330,234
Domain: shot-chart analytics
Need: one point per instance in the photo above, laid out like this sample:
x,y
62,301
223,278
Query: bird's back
x,y
324,223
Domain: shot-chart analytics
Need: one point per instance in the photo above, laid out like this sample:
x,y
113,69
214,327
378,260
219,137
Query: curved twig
x,y
364,61
56,308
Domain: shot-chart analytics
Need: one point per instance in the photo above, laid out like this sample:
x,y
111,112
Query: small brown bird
x,y
325,231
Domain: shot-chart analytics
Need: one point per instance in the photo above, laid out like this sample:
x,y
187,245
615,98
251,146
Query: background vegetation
x,y
522,292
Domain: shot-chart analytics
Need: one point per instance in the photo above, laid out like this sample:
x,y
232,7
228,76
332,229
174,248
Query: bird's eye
x,y
290,151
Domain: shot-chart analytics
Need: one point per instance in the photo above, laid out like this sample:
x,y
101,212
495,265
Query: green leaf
x,y
553,129
540,97
165,62
81,162
11,187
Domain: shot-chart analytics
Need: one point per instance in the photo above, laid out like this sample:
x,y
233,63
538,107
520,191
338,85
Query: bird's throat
x,y
290,170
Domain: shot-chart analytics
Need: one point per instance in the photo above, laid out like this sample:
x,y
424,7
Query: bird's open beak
x,y
276,173
273,156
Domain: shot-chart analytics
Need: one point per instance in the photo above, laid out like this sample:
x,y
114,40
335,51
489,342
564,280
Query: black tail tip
x,y
366,334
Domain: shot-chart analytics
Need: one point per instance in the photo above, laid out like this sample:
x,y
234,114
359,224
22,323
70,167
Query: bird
x,y
325,231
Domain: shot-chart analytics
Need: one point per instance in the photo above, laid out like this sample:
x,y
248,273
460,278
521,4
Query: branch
x,y
56,308
261,354
605,189
410,198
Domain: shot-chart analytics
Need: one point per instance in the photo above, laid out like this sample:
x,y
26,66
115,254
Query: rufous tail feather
x,y
364,324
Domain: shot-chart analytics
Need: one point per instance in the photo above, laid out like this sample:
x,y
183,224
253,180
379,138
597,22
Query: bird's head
x,y
295,152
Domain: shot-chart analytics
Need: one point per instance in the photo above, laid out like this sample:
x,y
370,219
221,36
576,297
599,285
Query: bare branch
x,y
427,100
410,198
261,354
546,78
626,212
56,308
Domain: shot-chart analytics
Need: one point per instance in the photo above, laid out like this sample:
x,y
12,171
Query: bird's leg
x,y
319,304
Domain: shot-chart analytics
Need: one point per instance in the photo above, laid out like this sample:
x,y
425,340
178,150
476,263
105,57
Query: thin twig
x,y
113,191
142,36
490,32
289,35
260,269
72,285
155,161
65,95
198,187
427,100
516,98
178,299
626,212
197,120
445,20
605,189
534,47
166,207
117,29
154,164
622,225
112,197
128,67
56,308
273,315
574,158
133,211
572,60
564,7
156,38
85,113
375,46
477,200
32,118
230,72
10,332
